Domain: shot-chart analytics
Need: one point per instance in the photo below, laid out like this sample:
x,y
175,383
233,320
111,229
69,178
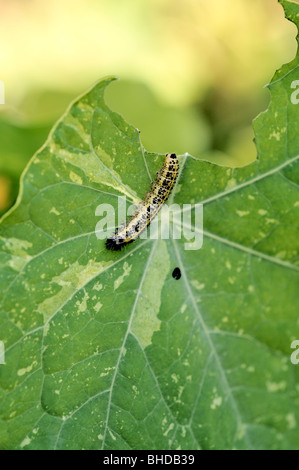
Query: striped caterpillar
x,y
147,209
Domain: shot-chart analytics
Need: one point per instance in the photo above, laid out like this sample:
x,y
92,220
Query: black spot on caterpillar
x,y
147,209
176,273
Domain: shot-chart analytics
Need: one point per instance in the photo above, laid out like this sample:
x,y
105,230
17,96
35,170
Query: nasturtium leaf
x,y
107,350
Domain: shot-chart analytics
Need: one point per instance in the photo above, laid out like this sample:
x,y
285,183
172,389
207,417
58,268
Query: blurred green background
x,y
192,72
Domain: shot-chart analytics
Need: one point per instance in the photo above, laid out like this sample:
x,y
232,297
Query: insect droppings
x,y
176,273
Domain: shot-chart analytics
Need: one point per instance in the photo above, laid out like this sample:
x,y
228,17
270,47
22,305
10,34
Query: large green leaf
x,y
106,350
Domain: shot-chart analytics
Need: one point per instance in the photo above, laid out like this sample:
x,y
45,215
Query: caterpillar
x,y
147,209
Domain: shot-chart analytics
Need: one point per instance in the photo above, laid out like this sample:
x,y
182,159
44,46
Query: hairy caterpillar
x,y
147,209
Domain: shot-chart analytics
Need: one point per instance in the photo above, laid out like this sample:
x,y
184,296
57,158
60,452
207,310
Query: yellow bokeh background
x,y
192,72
